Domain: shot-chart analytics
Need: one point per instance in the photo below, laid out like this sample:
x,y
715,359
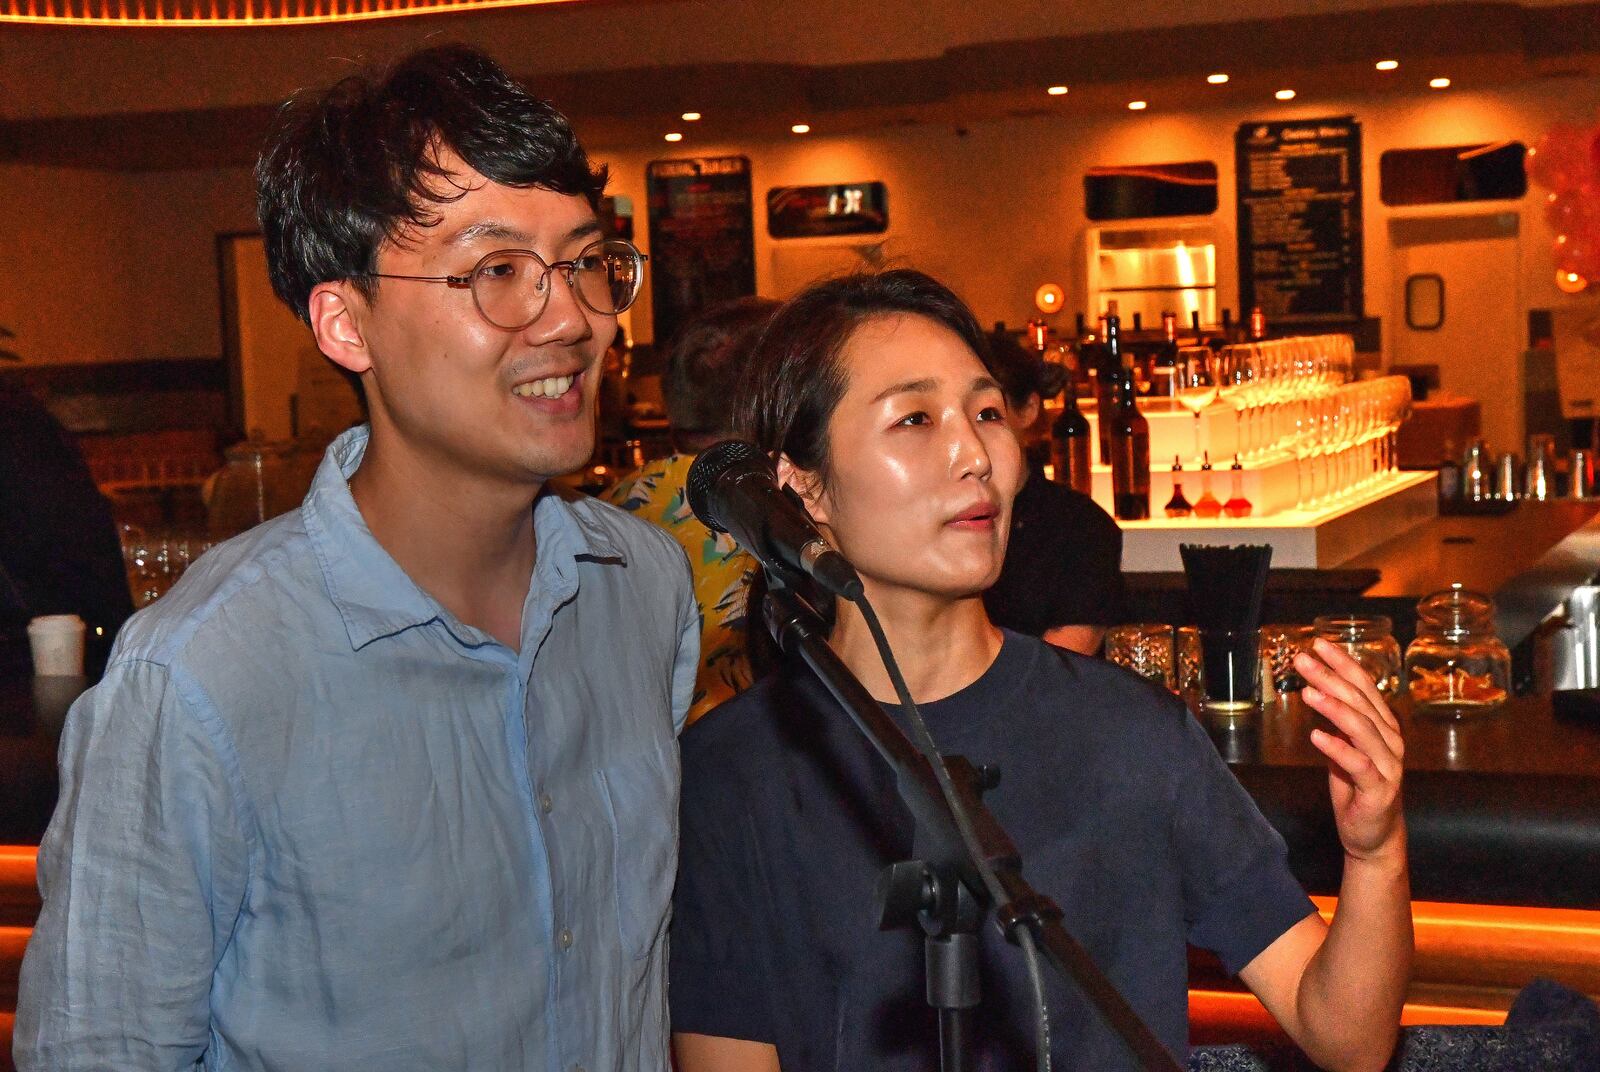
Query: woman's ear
x,y
806,484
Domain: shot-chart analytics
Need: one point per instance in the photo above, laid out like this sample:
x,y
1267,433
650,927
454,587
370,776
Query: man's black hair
x,y
355,165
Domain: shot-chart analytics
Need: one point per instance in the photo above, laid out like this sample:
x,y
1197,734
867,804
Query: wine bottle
x,y
1206,505
1237,505
1069,446
1110,373
1178,505
1130,454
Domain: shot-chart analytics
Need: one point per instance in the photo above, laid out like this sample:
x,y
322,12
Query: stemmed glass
x,y
1196,385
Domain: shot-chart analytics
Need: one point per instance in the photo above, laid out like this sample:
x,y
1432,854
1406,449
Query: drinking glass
x,y
1196,386
1231,668
1144,648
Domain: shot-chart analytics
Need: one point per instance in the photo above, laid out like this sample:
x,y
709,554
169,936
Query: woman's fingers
x,y
1359,730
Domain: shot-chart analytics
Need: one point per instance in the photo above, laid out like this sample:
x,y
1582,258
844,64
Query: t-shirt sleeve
x,y
716,984
1239,895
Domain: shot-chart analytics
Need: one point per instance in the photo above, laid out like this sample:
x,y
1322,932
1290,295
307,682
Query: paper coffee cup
x,y
57,643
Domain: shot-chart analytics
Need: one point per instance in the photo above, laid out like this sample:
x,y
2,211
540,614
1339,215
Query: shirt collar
x,y
376,598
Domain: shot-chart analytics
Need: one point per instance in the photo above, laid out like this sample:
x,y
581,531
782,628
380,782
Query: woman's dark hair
x,y
350,167
704,362
794,378
1023,372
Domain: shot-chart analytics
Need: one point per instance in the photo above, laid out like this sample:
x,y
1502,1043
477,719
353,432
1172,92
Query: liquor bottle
x,y
1130,454
1227,325
1194,324
1258,324
1069,446
1206,505
1178,506
1237,505
1110,373
1164,374
1138,322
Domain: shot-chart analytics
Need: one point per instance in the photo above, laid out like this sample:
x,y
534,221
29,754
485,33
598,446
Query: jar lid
x,y
1457,610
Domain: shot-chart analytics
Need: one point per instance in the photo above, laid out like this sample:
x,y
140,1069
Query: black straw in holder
x,y
1226,588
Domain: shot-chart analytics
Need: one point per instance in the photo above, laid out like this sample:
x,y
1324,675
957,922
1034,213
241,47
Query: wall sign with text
x,y
702,237
818,211
1300,219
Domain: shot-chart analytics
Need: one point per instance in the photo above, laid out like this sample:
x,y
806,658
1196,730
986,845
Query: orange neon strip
x,y
1240,1008
237,13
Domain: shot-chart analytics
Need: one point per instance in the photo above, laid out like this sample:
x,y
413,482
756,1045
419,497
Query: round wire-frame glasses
x,y
511,287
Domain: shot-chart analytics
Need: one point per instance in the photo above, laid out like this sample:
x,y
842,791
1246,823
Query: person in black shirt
x,y
872,395
59,552
1062,578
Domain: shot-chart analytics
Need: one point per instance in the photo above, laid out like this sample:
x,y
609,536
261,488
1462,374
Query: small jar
x,y
1371,642
1457,666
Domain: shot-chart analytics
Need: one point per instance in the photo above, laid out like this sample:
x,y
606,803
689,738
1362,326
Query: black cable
x,y
958,812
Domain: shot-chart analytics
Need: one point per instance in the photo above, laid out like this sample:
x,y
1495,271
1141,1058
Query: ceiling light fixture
x,y
1439,83
674,136
800,128
1284,94
1057,91
1138,105
691,117
1217,79
1387,65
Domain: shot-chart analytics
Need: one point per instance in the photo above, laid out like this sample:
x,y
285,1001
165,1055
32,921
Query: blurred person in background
x,y
702,366
1063,572
59,552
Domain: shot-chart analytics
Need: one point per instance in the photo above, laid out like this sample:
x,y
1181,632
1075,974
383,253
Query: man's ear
x,y
805,484
335,310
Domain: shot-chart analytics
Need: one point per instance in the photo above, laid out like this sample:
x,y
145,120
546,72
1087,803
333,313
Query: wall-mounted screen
x,y
1146,191
1494,171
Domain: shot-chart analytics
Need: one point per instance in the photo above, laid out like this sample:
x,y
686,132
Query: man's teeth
x,y
549,387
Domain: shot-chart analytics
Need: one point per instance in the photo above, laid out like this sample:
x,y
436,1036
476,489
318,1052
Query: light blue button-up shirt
x,y
311,821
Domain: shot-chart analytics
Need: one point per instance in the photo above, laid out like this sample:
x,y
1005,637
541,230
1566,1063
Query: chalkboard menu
x,y
817,211
1300,219
702,237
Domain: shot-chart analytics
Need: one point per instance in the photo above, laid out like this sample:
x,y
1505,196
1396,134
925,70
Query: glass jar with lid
x,y
1370,642
257,483
1457,666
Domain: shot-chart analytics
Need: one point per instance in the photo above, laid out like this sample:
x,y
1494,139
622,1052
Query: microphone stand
x,y
943,890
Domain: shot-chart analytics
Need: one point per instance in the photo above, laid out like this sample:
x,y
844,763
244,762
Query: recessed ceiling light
x,y
1057,91
1387,65
1138,105
691,117
674,136
800,128
1216,79
1284,94
1439,83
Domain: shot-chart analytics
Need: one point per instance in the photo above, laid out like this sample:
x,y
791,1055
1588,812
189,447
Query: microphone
x,y
733,489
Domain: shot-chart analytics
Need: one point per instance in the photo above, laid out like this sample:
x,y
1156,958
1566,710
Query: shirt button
x,y
546,803
565,938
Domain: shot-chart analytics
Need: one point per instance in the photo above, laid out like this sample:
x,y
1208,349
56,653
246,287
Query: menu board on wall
x,y
818,211
702,237
1299,190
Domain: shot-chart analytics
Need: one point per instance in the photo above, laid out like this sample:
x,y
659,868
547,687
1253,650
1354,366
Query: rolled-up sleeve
x,y
143,872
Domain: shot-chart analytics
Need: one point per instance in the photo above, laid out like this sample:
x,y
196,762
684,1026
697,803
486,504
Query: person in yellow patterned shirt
x,y
702,365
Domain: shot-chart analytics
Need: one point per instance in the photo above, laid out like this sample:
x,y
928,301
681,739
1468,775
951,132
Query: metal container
x,y
1477,473
1508,468
1580,485
1575,647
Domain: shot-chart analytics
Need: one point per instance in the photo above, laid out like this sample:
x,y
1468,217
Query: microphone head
x,y
708,468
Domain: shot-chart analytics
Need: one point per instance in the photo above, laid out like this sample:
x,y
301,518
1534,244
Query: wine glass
x,y
1196,385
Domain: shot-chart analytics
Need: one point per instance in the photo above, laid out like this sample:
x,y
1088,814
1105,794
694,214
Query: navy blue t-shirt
x,y
1117,800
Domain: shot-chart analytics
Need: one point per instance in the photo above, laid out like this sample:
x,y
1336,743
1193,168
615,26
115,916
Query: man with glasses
x,y
391,781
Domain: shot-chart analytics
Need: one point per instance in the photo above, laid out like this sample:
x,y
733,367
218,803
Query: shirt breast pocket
x,y
640,794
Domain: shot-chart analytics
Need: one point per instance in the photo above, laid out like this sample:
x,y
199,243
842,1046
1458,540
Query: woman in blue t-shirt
x,y
872,395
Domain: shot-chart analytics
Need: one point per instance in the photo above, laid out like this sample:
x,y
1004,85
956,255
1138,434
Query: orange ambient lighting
x,y
1571,282
208,13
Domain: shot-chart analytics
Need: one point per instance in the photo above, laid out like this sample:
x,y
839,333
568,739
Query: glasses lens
x,y
608,275
511,289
